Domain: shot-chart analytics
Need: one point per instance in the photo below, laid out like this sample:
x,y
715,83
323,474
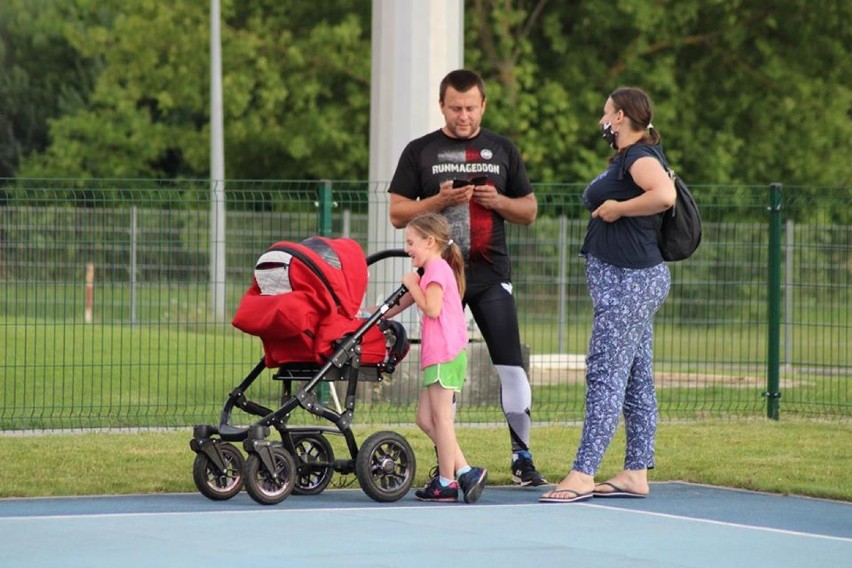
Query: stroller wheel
x,y
219,484
314,463
270,487
385,466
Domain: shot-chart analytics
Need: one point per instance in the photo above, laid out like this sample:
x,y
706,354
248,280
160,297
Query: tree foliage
x,y
42,77
296,96
746,91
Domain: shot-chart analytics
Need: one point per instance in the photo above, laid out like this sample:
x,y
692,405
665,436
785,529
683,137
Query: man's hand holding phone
x,y
484,194
456,192
481,180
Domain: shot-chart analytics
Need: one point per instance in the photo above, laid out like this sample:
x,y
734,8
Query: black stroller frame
x,y
303,461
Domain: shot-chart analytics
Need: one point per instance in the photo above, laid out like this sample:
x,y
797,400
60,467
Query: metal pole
x,y
789,242
404,106
217,171
133,262
563,280
90,293
346,231
326,390
773,393
324,204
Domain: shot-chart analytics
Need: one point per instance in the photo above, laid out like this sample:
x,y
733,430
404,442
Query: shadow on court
x,y
680,525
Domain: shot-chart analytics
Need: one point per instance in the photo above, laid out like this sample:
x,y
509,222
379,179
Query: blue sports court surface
x,y
679,525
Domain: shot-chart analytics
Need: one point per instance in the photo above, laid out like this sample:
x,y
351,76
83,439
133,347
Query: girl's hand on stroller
x,y
411,280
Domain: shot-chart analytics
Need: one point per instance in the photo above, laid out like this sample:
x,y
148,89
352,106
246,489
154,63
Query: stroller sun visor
x,y
331,269
272,273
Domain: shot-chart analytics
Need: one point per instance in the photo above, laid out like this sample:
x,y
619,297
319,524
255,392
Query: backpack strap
x,y
662,157
658,152
623,169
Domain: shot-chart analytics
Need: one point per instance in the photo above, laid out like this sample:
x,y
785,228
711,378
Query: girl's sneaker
x,y
472,482
438,493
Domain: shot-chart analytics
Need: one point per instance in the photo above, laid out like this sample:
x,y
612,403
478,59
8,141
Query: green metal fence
x,y
107,320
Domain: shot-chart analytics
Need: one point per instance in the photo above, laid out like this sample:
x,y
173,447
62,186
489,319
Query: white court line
x,y
721,523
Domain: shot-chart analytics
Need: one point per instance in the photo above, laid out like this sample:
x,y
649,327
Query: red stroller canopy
x,y
303,297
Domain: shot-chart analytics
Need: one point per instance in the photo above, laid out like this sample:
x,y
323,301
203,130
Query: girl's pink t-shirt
x,y
443,337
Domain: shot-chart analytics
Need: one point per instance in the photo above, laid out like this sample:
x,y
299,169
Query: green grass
x,y
788,457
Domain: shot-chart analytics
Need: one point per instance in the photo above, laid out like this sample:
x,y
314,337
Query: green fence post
x,y
324,205
773,393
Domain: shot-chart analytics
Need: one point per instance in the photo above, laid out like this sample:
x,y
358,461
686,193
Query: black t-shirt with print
x,y
432,159
630,242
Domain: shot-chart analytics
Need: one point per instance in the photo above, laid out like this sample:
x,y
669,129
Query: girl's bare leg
x,y
450,456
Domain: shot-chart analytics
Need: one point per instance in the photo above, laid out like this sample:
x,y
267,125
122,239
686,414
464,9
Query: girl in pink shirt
x,y
443,358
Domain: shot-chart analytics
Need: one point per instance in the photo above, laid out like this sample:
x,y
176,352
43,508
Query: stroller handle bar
x,y
381,255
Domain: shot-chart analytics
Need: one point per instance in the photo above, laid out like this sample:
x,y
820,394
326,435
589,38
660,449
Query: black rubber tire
x,y
385,466
260,483
314,463
215,484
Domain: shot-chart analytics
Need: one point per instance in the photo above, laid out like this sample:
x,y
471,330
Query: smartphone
x,y
457,183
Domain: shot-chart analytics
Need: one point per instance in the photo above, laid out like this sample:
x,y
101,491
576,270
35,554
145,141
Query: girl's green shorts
x,y
451,375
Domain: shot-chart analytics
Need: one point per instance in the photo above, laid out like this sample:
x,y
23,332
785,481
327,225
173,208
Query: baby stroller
x,y
304,303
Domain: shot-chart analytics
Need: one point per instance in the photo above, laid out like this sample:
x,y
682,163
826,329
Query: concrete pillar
x,y
415,43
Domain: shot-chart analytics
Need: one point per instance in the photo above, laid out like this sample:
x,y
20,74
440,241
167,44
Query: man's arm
x,y
402,209
518,210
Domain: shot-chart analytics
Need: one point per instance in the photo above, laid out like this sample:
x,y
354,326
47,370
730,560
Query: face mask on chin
x,y
608,135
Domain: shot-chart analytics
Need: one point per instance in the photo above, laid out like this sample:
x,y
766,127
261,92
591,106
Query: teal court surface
x,y
679,525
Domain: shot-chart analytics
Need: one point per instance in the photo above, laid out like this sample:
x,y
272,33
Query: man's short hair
x,y
462,80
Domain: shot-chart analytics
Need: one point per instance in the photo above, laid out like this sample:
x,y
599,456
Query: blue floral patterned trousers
x,y
619,367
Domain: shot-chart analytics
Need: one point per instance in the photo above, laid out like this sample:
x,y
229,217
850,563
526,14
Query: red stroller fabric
x,y
305,296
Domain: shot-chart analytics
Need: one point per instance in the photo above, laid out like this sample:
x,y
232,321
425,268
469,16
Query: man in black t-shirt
x,y
491,187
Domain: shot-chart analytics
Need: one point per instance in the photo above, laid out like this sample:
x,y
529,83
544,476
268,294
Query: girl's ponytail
x,y
453,256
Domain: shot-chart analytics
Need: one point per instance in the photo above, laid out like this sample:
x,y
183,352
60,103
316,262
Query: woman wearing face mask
x,y
627,281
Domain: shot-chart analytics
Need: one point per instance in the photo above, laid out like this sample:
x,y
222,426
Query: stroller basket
x,y
303,304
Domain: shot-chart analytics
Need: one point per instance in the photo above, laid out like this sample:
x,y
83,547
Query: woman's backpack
x,y
680,228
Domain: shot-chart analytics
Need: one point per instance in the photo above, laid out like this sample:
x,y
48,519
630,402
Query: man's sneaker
x,y
472,482
525,474
438,493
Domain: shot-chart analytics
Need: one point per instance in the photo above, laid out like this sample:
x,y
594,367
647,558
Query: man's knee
x,y
515,390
